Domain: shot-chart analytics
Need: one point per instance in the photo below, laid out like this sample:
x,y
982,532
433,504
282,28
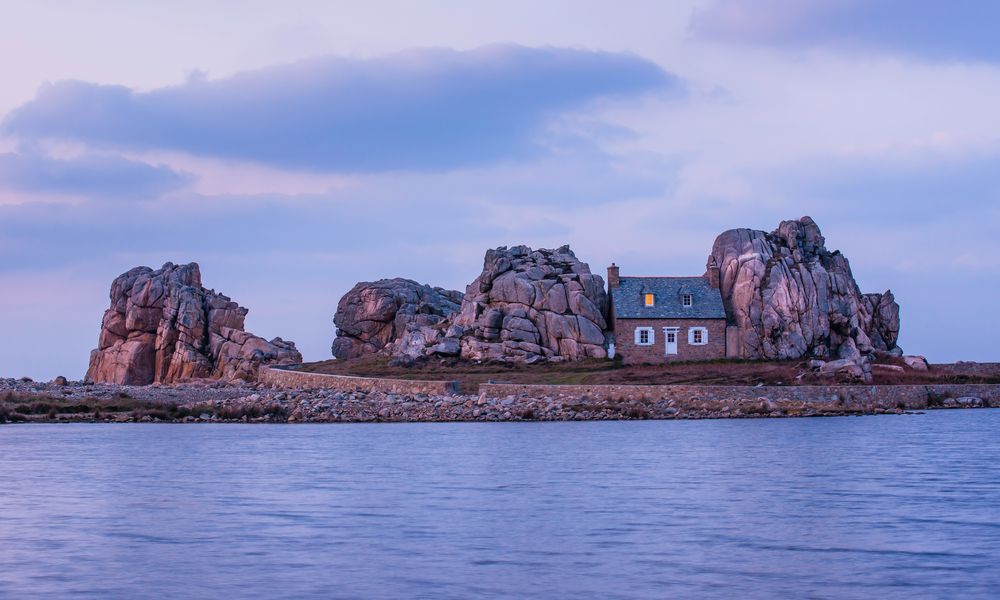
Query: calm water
x,y
872,507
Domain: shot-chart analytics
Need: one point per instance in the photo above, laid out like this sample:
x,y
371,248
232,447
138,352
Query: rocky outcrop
x,y
916,362
790,297
164,327
526,306
375,314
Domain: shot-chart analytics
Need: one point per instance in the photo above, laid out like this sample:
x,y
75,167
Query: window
x,y
648,299
643,336
697,336
687,300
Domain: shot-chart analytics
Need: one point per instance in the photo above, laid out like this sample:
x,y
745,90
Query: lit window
x,y
649,299
687,300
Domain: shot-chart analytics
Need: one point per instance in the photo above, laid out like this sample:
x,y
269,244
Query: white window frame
x,y
704,336
687,300
638,336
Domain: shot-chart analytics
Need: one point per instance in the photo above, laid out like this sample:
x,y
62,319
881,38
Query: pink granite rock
x,y
164,327
526,306
791,297
374,314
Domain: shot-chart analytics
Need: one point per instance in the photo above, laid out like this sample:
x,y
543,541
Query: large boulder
x,y
164,327
526,306
791,297
375,314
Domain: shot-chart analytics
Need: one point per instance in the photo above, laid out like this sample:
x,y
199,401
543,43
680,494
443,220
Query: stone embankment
x,y
269,402
866,397
290,378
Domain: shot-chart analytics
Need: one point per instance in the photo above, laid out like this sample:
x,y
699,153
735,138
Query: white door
x,y
670,335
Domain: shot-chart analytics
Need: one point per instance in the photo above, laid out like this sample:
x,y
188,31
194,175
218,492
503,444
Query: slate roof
x,y
667,291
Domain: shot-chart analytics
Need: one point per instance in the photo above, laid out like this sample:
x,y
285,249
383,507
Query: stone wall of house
x,y
864,398
290,378
631,353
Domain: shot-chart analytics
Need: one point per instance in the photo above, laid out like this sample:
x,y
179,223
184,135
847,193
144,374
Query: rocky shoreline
x,y
212,401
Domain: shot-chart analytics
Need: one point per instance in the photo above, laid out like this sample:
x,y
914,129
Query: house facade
x,y
667,319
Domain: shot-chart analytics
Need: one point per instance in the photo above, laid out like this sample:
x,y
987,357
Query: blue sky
x,y
292,154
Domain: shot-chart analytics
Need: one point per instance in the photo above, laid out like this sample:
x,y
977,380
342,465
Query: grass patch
x,y
38,406
17,407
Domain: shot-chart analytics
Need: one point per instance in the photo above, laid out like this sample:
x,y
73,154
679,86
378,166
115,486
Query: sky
x,y
293,152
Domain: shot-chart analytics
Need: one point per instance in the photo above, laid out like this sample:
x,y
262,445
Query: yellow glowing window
x,y
649,299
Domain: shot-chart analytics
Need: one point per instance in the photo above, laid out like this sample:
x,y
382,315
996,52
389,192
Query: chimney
x,y
613,280
712,272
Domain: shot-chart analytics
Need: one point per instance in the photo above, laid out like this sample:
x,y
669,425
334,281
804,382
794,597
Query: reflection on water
x,y
853,507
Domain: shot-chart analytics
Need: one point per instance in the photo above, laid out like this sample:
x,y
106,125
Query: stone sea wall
x,y
906,396
290,378
415,400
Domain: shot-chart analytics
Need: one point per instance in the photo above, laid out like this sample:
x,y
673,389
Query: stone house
x,y
667,319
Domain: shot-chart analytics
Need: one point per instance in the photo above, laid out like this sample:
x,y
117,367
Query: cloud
x,y
419,109
963,31
371,220
91,175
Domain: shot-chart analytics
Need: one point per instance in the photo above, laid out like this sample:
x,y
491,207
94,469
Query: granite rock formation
x,y
164,327
375,314
790,297
526,306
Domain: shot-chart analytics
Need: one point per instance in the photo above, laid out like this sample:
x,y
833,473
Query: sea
x,y
895,506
